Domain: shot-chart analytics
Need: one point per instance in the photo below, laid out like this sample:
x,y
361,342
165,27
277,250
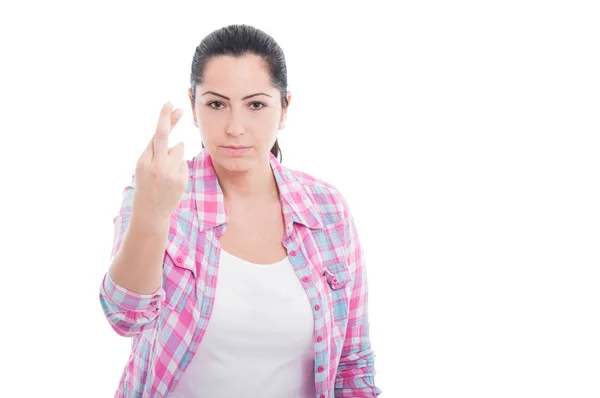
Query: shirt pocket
x,y
179,271
338,282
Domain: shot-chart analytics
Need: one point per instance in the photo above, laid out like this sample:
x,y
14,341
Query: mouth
x,y
236,150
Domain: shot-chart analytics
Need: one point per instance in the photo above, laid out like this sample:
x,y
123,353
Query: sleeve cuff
x,y
131,300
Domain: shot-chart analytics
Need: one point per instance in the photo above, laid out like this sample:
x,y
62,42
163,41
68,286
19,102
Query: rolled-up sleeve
x,y
356,370
128,313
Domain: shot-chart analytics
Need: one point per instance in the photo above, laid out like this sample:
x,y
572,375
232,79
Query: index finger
x,y
160,142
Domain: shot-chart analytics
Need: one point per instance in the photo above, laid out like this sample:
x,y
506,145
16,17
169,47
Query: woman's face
x,y
238,111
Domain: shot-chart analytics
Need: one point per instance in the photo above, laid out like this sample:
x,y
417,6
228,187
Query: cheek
x,y
267,121
264,125
208,123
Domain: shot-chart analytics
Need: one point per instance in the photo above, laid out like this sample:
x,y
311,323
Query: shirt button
x,y
293,253
319,339
317,307
322,396
320,369
305,279
179,259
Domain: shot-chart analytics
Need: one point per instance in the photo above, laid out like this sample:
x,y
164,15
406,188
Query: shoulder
x,y
324,195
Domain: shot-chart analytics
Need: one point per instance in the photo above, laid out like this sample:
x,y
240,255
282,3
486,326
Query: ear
x,y
285,110
192,105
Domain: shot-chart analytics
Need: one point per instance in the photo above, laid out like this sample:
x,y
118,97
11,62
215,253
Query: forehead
x,y
236,74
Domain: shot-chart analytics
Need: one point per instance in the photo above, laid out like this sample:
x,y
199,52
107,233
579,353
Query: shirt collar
x,y
297,206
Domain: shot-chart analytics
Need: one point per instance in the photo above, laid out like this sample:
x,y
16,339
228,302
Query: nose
x,y
235,125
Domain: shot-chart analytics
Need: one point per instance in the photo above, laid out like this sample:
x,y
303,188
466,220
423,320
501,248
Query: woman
x,y
235,276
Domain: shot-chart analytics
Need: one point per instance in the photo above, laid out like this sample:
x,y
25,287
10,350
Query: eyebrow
x,y
227,98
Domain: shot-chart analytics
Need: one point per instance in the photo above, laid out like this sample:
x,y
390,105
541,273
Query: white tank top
x,y
259,339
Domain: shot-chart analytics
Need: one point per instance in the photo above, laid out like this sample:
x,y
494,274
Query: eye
x,y
216,105
257,105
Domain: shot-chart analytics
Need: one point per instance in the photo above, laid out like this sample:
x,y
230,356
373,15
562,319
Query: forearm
x,y
137,266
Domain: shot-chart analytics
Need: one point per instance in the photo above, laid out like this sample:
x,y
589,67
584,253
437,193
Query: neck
x,y
256,183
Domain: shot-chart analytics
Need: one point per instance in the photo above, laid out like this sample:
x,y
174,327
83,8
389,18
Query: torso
x,y
255,232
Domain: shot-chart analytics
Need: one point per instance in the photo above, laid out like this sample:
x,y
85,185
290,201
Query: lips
x,y
236,150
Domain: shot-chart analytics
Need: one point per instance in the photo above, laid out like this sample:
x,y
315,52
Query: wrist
x,y
152,224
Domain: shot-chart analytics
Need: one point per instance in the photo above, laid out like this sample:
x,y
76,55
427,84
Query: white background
x,y
464,135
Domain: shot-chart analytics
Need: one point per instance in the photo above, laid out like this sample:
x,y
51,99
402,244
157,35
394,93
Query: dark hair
x,y
237,41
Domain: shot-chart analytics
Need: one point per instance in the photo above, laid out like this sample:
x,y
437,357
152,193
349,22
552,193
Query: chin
x,y
236,164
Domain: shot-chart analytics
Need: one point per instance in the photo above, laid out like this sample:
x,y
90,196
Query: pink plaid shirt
x,y
323,247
